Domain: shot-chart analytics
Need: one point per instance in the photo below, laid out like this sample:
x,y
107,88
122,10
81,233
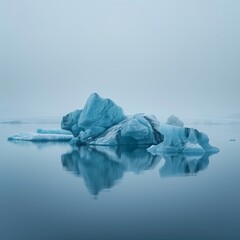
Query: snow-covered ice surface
x,y
102,122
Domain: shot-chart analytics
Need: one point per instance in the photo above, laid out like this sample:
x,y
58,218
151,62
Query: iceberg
x,y
102,122
188,141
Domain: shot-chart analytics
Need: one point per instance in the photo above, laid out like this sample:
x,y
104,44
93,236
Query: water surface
x,y
51,191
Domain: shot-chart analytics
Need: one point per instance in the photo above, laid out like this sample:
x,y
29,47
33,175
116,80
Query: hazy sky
x,y
160,57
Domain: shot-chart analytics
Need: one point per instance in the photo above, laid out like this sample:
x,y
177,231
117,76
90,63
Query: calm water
x,y
50,191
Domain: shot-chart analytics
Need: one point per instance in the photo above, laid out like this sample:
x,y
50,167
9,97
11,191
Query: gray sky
x,y
160,57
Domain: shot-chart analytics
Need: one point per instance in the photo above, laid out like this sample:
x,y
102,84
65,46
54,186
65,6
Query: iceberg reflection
x,y
102,167
39,144
183,165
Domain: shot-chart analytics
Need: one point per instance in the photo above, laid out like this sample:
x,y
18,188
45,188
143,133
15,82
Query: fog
x,y
160,57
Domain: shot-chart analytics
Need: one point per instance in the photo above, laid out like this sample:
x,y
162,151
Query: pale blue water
x,y
49,191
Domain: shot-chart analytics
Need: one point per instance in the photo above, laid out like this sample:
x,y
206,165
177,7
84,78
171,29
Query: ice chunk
x,y
53,131
134,130
102,122
30,136
182,140
100,112
96,117
70,122
174,121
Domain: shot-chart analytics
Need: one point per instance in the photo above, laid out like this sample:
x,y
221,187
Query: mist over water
x,y
157,57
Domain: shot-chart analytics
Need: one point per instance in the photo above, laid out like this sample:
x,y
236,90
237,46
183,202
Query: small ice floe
x,y
31,136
